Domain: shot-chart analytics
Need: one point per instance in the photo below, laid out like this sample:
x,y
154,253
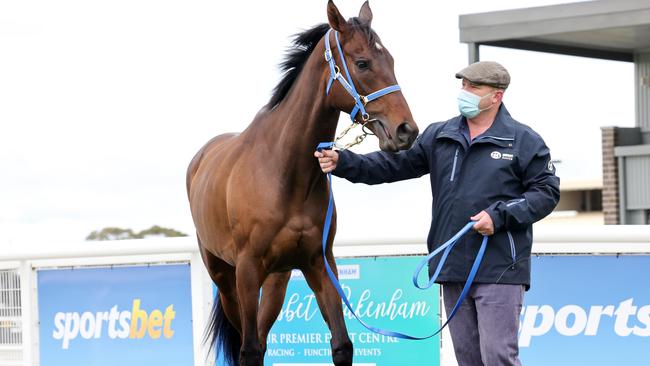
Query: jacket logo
x,y
550,165
505,156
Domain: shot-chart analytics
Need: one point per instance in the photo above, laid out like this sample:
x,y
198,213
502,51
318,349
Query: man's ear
x,y
336,20
499,94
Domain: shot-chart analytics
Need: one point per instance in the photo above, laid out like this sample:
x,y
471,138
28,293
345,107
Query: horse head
x,y
370,69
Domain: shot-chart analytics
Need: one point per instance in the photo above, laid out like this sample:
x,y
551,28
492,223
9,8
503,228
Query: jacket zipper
x,y
513,251
453,169
496,138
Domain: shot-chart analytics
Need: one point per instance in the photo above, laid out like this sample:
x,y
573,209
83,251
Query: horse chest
x,y
296,241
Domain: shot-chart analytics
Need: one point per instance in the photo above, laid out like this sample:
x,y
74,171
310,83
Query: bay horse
x,y
258,198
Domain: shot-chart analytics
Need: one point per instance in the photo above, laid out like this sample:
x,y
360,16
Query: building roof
x,y
605,29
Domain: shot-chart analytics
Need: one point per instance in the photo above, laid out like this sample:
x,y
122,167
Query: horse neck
x,y
304,119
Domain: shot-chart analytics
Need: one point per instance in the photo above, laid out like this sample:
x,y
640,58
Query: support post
x,y
474,55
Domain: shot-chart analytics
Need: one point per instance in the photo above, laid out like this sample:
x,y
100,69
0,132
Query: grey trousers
x,y
485,328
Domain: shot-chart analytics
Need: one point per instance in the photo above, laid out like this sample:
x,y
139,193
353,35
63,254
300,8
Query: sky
x,y
103,104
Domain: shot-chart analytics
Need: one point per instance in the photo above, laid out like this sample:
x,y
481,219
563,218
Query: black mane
x,y
303,45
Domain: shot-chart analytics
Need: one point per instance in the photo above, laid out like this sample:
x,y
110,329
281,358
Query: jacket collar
x,y
502,129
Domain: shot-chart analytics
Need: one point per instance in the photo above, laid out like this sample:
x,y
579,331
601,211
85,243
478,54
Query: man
x,y
486,167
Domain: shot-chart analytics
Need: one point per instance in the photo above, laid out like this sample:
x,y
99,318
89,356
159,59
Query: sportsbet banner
x,y
382,294
587,310
115,316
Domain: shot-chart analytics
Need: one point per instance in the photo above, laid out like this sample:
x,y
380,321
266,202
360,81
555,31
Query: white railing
x,y
27,259
603,239
18,265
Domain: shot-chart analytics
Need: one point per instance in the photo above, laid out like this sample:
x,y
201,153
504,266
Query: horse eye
x,y
363,65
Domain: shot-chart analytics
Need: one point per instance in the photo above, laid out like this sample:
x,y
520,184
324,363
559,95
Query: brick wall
x,y
610,177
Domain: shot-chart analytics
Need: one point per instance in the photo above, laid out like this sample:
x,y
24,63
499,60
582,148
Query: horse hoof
x,y
251,358
342,355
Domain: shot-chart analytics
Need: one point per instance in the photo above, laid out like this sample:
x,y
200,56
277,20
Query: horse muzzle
x,y
401,139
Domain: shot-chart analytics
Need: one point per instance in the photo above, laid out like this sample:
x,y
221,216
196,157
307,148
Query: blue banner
x,y
115,316
587,310
381,293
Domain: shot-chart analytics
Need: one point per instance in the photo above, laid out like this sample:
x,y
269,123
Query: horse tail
x,y
222,336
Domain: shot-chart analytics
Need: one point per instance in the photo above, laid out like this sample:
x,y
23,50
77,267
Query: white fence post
x,y
28,304
201,287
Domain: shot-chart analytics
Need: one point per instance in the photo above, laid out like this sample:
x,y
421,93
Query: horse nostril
x,y
405,134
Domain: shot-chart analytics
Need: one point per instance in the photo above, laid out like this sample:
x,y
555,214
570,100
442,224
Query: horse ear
x,y
336,20
365,14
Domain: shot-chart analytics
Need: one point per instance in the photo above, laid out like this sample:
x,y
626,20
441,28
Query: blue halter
x,y
360,101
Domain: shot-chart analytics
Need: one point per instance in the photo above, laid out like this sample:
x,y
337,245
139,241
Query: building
x,y
607,29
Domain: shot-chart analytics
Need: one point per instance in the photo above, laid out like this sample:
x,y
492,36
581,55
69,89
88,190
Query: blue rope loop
x,y
446,247
325,146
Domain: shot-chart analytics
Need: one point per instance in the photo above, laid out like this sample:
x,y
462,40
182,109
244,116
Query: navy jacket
x,y
506,171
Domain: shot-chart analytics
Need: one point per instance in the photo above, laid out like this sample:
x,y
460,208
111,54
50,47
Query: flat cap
x,y
486,73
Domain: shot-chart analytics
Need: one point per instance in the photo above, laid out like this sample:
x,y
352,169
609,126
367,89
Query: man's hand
x,y
327,160
484,224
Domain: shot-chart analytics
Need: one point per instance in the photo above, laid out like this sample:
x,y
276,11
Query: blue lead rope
x,y
446,247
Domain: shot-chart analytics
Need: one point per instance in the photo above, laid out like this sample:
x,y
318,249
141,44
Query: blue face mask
x,y
468,103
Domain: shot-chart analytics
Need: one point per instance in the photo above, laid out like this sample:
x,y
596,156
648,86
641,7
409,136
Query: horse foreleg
x,y
273,292
249,280
329,303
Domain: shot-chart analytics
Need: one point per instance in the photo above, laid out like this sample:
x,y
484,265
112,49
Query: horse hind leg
x,y
273,292
223,332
